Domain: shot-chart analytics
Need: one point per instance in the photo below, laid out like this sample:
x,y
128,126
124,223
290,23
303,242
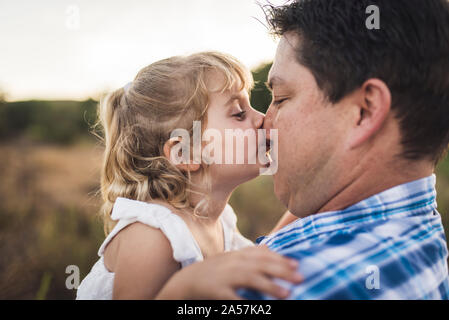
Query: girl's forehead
x,y
221,81
229,96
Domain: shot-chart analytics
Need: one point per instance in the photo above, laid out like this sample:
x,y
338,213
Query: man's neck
x,y
373,181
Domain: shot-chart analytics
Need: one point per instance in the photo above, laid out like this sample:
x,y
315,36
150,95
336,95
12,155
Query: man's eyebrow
x,y
274,81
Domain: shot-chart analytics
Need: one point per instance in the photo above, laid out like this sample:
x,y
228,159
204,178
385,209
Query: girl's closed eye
x,y
239,115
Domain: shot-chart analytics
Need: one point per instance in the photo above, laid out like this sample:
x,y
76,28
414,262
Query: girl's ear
x,y
173,151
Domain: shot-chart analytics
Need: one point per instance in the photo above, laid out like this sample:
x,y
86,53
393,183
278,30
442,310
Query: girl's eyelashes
x,y
240,115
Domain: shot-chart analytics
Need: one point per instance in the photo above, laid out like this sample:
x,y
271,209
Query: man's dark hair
x,y
410,53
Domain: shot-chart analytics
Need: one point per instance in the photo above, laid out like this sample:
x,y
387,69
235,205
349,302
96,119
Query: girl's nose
x,y
258,119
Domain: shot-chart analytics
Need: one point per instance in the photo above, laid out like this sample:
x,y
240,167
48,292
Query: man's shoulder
x,y
336,244
382,260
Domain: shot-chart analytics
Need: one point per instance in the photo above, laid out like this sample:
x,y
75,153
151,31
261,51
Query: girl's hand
x,y
219,277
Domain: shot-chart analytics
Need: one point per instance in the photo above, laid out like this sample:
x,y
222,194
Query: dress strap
x,y
127,211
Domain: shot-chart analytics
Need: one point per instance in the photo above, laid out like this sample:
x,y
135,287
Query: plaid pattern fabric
x,y
389,246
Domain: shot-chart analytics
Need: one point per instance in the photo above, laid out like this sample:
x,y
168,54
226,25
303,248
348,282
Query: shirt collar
x,y
408,199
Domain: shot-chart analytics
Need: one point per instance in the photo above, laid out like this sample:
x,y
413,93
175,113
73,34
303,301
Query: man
x,y
363,118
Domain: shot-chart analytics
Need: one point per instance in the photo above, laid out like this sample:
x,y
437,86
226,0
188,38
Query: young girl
x,y
162,215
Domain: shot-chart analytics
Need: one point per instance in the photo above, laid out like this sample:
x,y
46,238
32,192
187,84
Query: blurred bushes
x,y
60,122
257,207
260,96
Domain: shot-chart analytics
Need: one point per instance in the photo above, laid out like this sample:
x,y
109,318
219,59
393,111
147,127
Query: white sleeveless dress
x,y
98,284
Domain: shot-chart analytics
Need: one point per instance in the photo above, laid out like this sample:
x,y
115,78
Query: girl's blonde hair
x,y
137,121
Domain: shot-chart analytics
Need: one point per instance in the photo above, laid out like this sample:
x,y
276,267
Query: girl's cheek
x,y
244,124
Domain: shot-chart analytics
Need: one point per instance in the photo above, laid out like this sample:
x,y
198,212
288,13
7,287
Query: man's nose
x,y
268,121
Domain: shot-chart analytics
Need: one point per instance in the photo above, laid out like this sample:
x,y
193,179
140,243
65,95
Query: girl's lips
x,y
268,145
268,153
268,164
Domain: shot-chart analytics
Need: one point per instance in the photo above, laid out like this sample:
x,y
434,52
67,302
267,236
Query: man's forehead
x,y
284,62
290,39
278,75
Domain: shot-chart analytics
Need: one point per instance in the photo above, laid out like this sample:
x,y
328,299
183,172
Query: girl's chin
x,y
253,171
244,173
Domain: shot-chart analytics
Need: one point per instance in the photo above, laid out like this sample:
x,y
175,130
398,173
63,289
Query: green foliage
x,y
257,207
45,285
442,173
260,95
61,122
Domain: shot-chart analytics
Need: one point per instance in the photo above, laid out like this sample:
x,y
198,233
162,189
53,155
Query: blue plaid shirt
x,y
389,246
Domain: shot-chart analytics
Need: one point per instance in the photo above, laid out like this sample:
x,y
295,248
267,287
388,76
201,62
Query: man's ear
x,y
174,152
374,104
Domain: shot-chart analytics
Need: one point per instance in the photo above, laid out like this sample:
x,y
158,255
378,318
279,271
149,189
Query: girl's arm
x,y
286,219
145,269
219,277
144,263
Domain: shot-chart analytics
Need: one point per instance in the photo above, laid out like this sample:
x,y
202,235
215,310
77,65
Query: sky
x,y
76,49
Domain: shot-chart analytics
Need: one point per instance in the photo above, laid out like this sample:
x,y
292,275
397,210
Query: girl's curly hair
x,y
137,121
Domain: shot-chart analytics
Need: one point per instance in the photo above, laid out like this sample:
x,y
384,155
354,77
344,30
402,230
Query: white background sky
x,y
45,55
